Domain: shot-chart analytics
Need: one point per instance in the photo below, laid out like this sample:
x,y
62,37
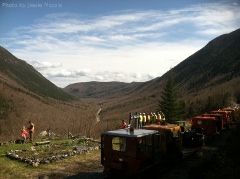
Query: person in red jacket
x,y
24,134
124,124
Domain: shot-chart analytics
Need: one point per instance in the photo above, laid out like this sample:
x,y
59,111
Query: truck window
x,y
145,145
175,134
119,144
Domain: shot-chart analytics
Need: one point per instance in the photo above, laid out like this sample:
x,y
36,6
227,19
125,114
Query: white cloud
x,y
44,65
68,73
125,46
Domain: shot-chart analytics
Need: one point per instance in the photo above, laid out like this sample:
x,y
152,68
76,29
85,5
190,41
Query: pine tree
x,y
172,108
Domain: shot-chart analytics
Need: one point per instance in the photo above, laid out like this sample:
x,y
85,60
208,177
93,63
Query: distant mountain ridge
x,y
96,89
25,75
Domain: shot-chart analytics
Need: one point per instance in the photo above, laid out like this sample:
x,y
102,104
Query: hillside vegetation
x,y
26,76
215,64
98,90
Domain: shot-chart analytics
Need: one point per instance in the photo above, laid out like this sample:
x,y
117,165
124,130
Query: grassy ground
x,y
66,167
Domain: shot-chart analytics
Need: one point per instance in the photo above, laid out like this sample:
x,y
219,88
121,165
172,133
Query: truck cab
x,y
226,117
205,124
128,152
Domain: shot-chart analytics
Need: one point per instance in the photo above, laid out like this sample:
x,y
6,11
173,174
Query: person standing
x,y
24,134
148,119
31,131
159,118
144,119
152,118
140,120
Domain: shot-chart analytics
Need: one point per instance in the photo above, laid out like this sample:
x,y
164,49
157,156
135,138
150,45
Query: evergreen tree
x,y
182,109
172,108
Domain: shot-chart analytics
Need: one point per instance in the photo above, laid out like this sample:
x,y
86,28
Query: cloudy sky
x,y
70,41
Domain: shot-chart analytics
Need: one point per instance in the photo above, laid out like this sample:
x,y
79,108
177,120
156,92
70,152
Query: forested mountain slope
x,y
25,75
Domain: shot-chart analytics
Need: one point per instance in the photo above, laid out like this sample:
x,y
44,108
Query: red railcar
x,y
219,121
128,153
226,117
206,125
233,113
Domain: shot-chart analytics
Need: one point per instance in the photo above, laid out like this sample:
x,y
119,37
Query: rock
x,y
43,133
19,141
80,148
43,142
35,164
32,148
43,177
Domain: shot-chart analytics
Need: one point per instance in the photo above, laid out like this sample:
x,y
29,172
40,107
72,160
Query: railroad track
x,y
181,170
191,158
173,170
